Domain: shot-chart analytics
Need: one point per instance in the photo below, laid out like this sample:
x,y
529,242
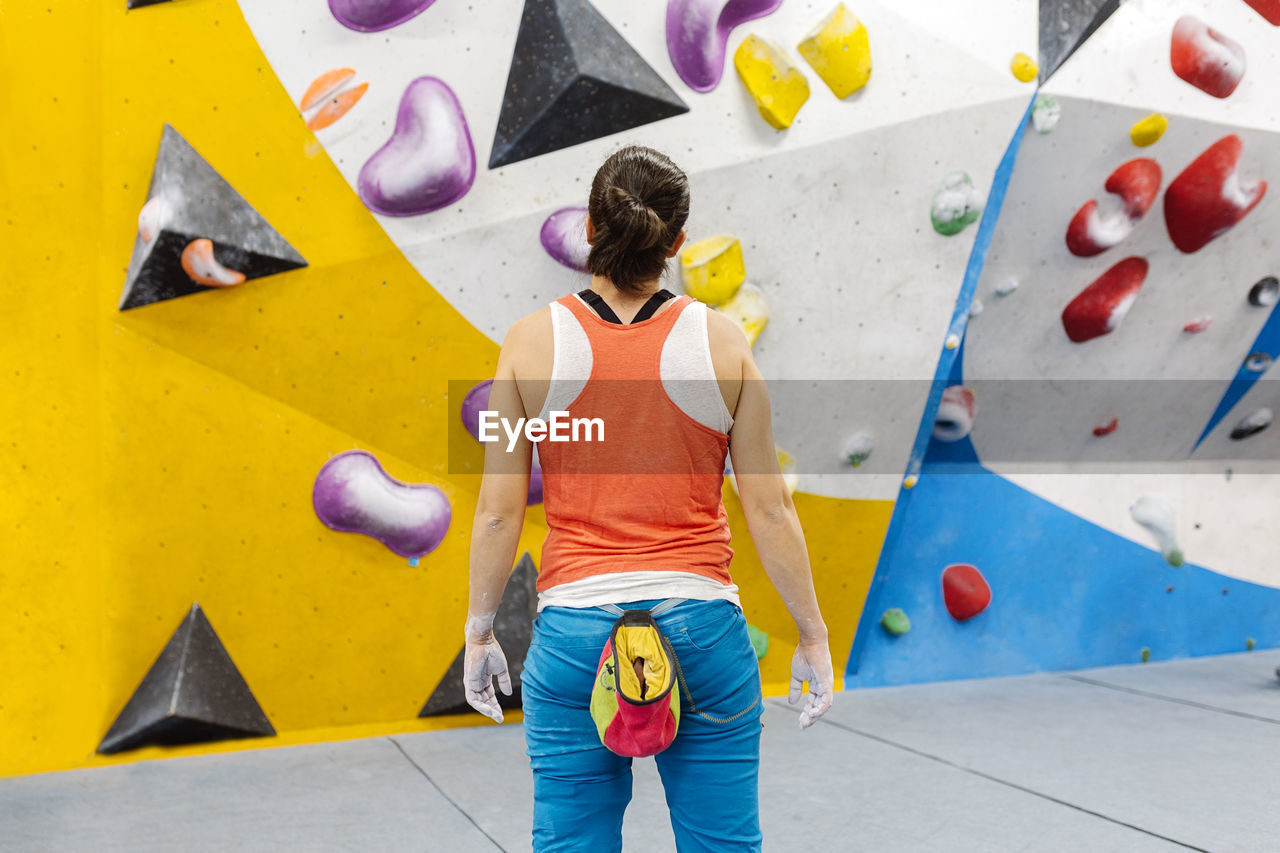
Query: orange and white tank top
x,y
637,515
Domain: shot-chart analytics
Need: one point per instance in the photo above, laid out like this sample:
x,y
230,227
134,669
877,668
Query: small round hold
x,y
976,307
1106,429
910,481
1257,362
895,621
1265,293
1251,424
857,449
1007,287
953,341
1146,654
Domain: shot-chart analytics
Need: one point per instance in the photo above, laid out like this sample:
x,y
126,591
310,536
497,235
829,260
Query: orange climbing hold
x,y
199,263
325,84
336,108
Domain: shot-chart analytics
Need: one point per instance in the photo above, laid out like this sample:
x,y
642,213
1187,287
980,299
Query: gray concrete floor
x,y
1158,757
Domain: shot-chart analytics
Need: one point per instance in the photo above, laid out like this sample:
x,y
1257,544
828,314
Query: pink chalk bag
x,y
635,702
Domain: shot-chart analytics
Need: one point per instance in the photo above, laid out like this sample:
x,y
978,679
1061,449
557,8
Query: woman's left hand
x,y
812,663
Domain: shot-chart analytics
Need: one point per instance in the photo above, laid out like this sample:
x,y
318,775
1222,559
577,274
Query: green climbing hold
x,y
1174,557
956,205
1045,113
759,640
895,621
1249,643
1146,654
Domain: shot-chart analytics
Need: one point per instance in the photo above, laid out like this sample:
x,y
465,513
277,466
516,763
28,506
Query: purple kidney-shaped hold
x,y
564,236
370,16
698,30
476,401
355,495
429,162
472,404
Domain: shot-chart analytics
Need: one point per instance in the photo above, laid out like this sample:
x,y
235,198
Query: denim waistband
x,y
591,624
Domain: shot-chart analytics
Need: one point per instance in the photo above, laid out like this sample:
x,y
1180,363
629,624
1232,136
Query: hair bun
x,y
636,224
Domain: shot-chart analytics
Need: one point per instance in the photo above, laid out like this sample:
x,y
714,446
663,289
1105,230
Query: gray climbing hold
x,y
1265,292
512,628
188,202
193,693
573,78
1250,425
1065,25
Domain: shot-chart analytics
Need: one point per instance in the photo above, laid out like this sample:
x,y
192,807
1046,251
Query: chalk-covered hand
x,y
481,661
812,663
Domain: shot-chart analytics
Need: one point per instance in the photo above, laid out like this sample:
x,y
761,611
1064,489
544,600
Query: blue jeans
x,y
710,771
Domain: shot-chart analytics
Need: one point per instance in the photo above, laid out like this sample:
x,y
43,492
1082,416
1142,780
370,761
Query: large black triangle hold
x,y
193,693
512,628
187,201
573,78
1065,25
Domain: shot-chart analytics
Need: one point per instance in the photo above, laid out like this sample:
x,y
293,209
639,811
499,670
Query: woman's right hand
x,y
482,660
812,663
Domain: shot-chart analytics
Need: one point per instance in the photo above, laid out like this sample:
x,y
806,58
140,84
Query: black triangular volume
x,y
512,628
134,4
574,78
1065,25
189,200
193,693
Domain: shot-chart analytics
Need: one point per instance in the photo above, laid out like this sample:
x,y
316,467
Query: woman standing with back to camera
x,y
637,520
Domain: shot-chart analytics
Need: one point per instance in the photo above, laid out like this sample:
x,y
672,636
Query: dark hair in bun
x,y
639,202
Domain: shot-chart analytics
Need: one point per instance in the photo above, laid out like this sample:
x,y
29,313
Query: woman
x,y
636,518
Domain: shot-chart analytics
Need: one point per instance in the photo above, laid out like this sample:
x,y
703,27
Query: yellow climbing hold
x,y
712,269
840,51
909,482
1024,67
1147,131
778,87
749,310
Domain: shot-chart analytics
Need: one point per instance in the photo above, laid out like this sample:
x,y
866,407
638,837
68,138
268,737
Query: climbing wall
x,y
1110,474
239,387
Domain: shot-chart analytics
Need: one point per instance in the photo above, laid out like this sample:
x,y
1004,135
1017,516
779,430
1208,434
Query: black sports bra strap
x,y
646,311
602,308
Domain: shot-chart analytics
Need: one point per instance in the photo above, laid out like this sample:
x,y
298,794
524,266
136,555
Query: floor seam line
x,y
449,799
1015,786
1173,699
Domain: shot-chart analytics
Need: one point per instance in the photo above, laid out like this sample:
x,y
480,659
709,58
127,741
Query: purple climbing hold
x,y
354,494
564,236
429,162
698,30
476,401
370,16
477,398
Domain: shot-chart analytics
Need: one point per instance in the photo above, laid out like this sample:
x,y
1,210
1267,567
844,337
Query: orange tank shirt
x,y
648,495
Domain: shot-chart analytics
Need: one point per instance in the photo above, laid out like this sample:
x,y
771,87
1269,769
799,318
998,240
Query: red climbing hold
x,y
1208,198
1137,183
1107,428
965,591
1099,308
1205,58
1269,9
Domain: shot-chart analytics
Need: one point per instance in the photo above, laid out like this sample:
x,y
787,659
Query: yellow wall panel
x,y
167,454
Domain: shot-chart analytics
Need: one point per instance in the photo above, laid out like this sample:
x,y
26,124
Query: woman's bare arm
x,y
772,520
